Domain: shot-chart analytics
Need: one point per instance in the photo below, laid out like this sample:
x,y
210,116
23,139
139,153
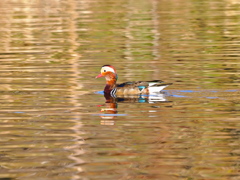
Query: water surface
x,y
56,125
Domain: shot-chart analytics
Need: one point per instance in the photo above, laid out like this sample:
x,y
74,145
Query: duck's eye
x,y
104,70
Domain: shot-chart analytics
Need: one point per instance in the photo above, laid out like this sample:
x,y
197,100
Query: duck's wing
x,y
143,86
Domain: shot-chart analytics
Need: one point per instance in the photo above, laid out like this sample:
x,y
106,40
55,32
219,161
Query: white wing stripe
x,y
113,92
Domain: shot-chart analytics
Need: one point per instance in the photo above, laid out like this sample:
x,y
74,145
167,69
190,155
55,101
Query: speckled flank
x,y
124,91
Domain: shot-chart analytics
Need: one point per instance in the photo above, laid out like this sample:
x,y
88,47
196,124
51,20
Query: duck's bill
x,y
98,76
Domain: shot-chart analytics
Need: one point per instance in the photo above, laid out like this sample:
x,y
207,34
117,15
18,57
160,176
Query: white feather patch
x,y
156,89
107,69
152,83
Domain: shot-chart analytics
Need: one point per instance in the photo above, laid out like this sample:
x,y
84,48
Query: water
x,y
56,124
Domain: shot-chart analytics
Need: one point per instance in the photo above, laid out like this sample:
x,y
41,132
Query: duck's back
x,y
141,87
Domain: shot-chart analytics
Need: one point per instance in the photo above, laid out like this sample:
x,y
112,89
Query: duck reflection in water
x,y
109,109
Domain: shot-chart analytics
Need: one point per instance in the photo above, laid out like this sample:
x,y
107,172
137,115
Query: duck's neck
x,y
110,83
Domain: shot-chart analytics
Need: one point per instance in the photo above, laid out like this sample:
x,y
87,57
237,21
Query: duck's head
x,y
108,72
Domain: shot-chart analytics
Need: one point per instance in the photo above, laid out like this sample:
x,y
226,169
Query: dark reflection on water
x,y
109,109
54,126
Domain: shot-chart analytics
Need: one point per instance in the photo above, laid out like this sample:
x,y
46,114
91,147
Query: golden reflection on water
x,y
50,125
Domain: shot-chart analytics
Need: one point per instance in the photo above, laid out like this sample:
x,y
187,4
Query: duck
x,y
128,88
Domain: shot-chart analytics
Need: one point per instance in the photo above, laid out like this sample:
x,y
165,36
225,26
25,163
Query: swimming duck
x,y
128,88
